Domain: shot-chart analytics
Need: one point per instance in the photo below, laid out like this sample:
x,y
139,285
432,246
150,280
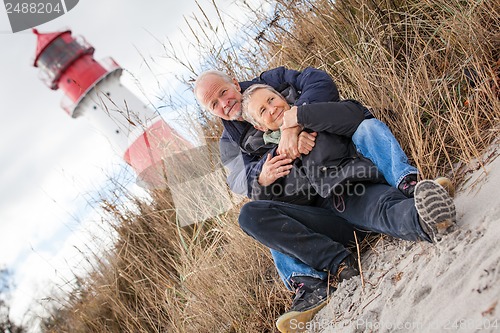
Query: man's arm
x,y
341,118
313,85
250,175
258,191
287,185
237,164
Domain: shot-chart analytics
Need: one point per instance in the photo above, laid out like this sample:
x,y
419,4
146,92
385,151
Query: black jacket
x,y
331,168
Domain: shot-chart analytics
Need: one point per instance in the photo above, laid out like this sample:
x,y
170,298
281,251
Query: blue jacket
x,y
312,84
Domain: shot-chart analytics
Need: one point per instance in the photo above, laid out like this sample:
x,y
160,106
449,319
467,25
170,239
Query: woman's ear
x,y
260,128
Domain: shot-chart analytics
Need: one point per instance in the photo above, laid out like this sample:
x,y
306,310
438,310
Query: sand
x,y
451,286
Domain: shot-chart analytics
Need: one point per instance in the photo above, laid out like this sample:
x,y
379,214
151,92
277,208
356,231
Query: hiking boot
x,y
407,185
348,268
435,209
311,294
446,184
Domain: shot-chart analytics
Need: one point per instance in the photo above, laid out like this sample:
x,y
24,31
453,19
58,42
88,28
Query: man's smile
x,y
228,110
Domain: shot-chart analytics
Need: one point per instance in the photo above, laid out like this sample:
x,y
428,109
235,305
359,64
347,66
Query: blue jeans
x,y
374,140
289,267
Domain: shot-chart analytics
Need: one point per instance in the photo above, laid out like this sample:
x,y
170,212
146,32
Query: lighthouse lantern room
x,y
93,89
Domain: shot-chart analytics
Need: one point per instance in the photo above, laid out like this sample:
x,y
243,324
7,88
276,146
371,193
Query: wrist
x,y
296,129
261,180
290,118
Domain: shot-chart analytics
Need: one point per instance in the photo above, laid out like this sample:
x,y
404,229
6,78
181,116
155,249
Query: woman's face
x,y
267,108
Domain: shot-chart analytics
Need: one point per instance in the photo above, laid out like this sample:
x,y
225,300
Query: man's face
x,y
220,97
267,108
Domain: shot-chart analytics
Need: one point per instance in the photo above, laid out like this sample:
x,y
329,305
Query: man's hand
x,y
274,168
306,142
289,142
290,118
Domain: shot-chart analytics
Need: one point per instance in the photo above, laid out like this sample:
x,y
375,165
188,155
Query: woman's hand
x,y
289,142
306,142
274,168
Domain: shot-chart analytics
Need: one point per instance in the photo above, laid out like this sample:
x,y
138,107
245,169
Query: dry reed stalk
x,y
358,252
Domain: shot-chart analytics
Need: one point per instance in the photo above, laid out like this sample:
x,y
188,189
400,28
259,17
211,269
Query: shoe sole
x,y
296,321
435,208
446,184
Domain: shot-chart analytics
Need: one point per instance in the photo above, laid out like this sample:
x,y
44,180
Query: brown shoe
x,y
311,295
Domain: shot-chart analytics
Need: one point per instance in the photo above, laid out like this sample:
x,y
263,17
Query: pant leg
x,y
314,236
383,209
289,267
375,141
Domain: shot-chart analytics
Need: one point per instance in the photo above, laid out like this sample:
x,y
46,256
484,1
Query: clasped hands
x,y
293,142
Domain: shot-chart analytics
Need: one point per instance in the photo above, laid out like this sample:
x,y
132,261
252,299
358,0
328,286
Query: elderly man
x,y
222,95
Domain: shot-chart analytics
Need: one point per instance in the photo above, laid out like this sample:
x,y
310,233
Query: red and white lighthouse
x,y
93,89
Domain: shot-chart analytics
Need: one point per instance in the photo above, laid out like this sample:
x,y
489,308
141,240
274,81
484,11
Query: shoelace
x,y
298,292
342,267
297,287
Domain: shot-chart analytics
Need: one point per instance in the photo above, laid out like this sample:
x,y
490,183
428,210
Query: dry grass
x,y
161,278
406,59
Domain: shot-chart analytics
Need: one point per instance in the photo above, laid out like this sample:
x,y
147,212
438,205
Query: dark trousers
x,y
380,208
318,236
315,236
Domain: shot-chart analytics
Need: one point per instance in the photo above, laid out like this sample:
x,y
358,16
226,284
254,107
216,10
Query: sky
x,y
53,166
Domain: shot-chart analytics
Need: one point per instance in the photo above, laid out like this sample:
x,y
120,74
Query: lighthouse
x,y
92,89
160,157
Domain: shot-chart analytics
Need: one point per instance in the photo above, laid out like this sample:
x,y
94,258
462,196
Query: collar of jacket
x,y
252,142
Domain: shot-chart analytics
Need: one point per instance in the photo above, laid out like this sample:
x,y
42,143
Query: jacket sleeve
x,y
257,191
239,166
341,118
313,85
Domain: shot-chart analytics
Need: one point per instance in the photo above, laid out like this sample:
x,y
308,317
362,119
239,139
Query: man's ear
x,y
237,84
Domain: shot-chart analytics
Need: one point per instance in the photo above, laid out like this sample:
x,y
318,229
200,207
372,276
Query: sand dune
x,y
420,287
